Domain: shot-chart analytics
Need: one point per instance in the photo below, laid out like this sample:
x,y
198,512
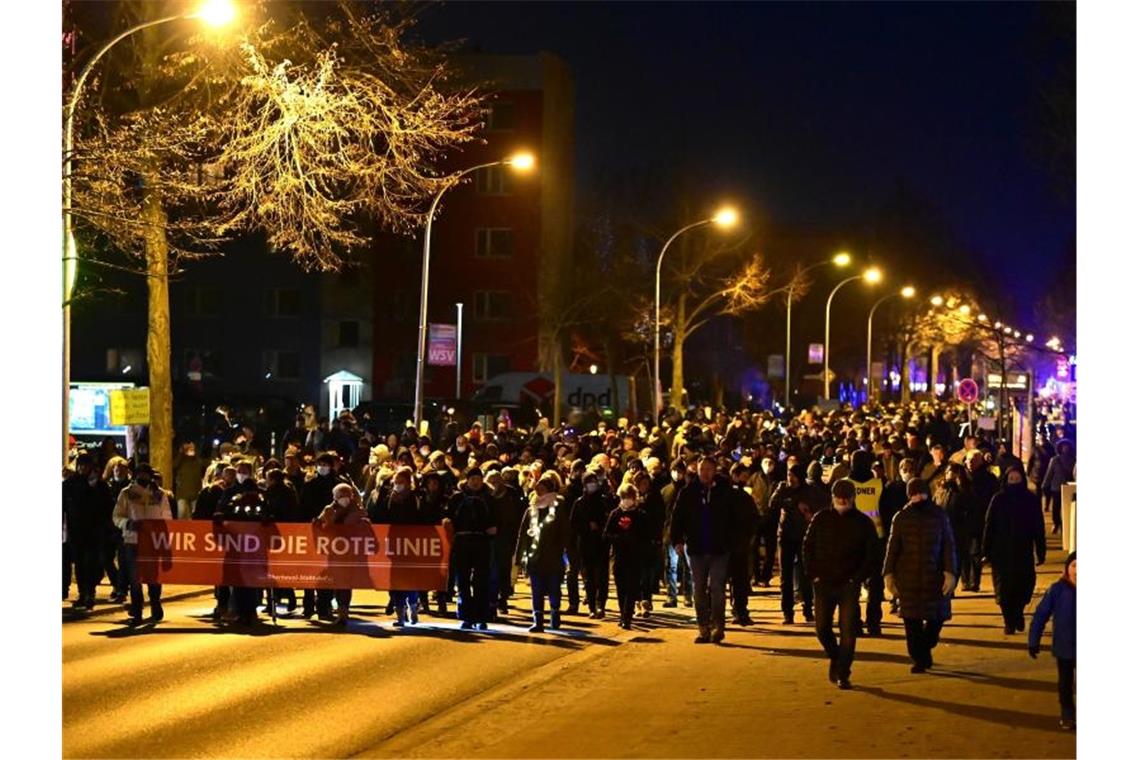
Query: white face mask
x,y
460,448
242,477
627,503
344,501
677,476
399,488
591,488
323,470
424,451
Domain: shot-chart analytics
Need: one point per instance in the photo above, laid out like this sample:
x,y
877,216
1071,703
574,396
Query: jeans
x,y
129,571
1067,687
403,601
596,569
575,561
543,587
827,599
875,591
88,559
741,581
791,572
762,568
650,573
709,572
627,578
677,575
921,638
473,570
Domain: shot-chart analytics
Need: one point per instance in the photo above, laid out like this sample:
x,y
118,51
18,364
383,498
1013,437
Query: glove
x,y
131,525
948,583
889,583
1034,651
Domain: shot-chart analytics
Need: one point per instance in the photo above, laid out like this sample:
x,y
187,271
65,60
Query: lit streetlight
x,y
725,218
907,292
840,260
214,13
936,300
519,162
870,276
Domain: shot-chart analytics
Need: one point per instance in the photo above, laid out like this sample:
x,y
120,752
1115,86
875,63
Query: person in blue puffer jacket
x,y
1060,603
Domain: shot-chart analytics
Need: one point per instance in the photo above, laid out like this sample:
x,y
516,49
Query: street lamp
x,y
725,218
936,300
214,13
841,259
907,292
871,276
519,162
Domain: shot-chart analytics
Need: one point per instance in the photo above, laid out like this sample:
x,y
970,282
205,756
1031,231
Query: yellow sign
x,y
130,406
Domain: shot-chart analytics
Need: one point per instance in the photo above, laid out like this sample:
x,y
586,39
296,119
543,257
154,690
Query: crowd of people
x,y
856,508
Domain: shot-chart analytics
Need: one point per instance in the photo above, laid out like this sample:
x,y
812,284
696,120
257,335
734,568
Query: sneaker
x,y
844,683
481,626
555,622
718,635
291,605
134,621
537,628
1010,630
648,607
413,614
599,615
397,623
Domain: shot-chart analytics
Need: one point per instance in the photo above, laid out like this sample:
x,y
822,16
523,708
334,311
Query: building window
x,y
493,180
124,361
486,366
492,304
401,306
205,302
201,363
282,365
502,117
494,243
348,334
283,302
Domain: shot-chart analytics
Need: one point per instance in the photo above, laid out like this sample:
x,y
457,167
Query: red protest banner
x,y
292,555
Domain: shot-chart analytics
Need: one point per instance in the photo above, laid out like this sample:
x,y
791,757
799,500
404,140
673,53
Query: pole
x,y
458,350
827,337
788,358
422,337
70,253
657,319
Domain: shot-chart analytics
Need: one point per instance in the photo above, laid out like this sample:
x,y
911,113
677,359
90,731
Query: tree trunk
x,y
677,391
935,353
158,335
904,371
556,420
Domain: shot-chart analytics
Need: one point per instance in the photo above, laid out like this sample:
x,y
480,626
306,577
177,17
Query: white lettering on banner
x,y
340,545
180,542
413,547
291,544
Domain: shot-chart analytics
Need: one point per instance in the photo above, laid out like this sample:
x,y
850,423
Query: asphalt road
x,y
187,688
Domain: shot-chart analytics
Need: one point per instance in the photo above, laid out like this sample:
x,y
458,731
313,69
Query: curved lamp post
x,y
907,292
518,162
725,218
840,260
872,276
215,13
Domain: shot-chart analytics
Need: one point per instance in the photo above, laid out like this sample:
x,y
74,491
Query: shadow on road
x,y
1001,716
985,679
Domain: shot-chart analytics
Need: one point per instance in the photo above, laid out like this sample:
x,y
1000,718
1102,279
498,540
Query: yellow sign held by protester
x,y
130,406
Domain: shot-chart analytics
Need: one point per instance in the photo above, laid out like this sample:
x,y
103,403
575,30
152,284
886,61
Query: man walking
x,y
701,525
841,551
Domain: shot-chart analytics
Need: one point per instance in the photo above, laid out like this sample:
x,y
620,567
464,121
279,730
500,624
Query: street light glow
x,y
964,310
593,369
997,325
1007,329
1017,333
907,292
842,259
726,217
873,275
522,162
217,13
983,318
1029,338
936,300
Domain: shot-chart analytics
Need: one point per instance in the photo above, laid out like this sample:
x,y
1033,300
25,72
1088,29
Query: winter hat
x,y
799,471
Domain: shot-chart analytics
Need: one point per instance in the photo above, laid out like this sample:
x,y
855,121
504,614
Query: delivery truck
x,y
581,393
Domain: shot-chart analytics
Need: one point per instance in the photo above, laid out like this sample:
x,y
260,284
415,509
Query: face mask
x,y
399,488
677,476
461,449
424,451
591,488
627,503
344,501
242,477
323,470
92,479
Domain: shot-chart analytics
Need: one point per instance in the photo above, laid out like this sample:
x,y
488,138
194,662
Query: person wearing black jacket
x,y
542,538
245,506
701,530
1014,533
650,500
841,551
983,486
574,490
471,522
88,504
315,494
402,507
281,501
629,530
677,575
746,520
795,502
587,519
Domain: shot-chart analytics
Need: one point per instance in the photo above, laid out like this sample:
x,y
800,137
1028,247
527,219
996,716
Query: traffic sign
x,y
967,391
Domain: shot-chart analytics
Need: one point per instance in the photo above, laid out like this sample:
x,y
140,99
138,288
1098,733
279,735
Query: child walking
x,y
1060,603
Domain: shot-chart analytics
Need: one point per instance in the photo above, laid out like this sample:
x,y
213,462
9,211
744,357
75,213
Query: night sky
x,y
814,112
